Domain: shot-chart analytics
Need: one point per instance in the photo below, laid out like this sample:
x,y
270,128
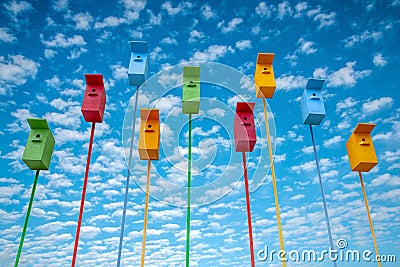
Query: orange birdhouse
x,y
264,76
149,136
360,148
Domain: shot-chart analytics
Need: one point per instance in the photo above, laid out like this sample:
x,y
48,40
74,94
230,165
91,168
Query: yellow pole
x,y
278,215
146,213
369,217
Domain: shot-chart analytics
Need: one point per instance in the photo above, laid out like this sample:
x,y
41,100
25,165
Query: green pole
x,y
21,242
188,193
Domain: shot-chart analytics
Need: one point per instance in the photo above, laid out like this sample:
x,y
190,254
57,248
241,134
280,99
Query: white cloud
x,y
377,104
49,53
207,12
346,104
169,40
360,38
195,36
306,47
83,21
298,197
133,8
263,10
16,9
216,112
232,25
243,44
333,141
284,9
7,37
212,53
119,72
60,41
157,54
154,20
16,70
345,76
290,82
325,20
60,5
172,11
379,60
384,180
110,21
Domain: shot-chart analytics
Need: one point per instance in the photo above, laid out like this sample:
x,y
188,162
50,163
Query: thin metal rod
x,y
188,193
246,184
328,226
28,213
121,238
278,214
78,228
146,213
369,217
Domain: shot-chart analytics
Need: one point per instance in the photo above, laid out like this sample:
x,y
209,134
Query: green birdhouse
x,y
39,147
191,90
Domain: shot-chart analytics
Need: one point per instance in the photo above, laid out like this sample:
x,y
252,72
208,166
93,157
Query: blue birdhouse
x,y
138,63
312,104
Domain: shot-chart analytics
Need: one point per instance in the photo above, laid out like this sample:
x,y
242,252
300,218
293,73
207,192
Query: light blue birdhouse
x,y
312,104
137,72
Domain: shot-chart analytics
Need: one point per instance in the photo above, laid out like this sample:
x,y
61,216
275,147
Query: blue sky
x,y
48,46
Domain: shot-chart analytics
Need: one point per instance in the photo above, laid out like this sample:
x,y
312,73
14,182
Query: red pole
x,y
246,182
78,229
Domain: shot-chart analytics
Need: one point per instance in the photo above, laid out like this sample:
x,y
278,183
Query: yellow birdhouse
x,y
360,148
264,76
149,136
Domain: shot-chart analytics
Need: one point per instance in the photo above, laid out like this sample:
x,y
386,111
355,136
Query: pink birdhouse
x,y
94,101
244,128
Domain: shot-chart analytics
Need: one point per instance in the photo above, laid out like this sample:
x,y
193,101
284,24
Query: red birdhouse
x,y
94,101
244,128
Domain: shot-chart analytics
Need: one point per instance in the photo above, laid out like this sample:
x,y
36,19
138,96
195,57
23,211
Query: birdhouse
x,y
94,101
264,76
39,147
191,90
138,63
149,136
360,148
312,104
244,129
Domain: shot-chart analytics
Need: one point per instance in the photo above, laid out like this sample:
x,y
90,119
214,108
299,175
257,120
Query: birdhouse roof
x,y
191,71
149,114
244,107
364,128
139,47
35,123
265,58
315,84
94,79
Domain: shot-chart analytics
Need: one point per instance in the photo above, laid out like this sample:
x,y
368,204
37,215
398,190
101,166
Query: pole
x,y
146,213
328,226
121,238
188,193
278,215
78,228
28,213
246,183
369,217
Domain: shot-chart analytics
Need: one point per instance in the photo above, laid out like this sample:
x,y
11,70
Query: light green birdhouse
x,y
191,90
40,145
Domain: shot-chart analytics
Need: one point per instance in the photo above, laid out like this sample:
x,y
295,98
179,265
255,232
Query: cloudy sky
x,y
48,46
